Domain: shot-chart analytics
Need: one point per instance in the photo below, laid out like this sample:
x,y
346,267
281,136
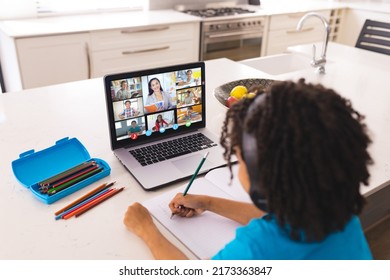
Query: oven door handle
x,y
223,35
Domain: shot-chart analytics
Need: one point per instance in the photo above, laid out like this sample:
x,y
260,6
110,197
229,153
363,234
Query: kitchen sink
x,y
280,63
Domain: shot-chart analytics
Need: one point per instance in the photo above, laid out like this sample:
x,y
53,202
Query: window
x,y
53,7
11,9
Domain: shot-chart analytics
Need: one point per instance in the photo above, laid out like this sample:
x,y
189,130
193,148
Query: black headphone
x,y
249,152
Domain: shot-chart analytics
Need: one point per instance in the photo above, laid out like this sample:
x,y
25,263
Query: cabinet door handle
x,y
299,31
129,31
145,50
88,60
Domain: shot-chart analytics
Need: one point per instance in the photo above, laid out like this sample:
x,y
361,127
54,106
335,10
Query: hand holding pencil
x,y
187,212
188,206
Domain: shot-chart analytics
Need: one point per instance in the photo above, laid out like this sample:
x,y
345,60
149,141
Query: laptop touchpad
x,y
189,164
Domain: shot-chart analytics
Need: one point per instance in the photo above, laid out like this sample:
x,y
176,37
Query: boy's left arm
x,y
139,221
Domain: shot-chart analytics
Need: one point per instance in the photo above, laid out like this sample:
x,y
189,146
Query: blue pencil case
x,y
33,167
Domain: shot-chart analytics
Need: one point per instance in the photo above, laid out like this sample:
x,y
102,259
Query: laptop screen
x,y
152,104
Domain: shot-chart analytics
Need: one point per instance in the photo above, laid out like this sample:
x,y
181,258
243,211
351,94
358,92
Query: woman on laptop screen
x,y
157,99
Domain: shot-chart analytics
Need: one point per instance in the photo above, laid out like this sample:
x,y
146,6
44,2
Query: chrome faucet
x,y
318,63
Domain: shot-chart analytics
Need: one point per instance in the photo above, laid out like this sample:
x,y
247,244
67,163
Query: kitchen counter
x,y
272,7
36,118
287,6
91,22
361,76
368,5
32,27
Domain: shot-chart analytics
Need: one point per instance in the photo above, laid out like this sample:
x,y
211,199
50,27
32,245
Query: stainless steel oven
x,y
236,39
231,32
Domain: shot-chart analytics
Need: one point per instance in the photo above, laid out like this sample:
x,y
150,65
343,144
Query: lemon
x,y
250,95
238,91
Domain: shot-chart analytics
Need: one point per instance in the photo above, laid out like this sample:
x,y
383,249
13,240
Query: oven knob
x,y
229,25
218,26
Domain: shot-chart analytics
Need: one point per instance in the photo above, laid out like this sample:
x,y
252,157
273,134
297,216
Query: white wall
x,y
10,9
17,9
169,4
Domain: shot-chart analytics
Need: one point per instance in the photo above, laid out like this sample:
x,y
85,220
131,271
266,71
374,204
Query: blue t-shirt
x,y
265,239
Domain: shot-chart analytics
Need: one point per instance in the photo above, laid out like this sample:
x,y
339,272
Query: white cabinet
x,y
51,60
130,49
46,60
282,32
353,23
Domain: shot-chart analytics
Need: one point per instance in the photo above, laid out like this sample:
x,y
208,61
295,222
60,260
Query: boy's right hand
x,y
189,205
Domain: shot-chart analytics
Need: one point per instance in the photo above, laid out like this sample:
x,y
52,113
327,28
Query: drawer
x,y
145,36
279,40
137,58
290,21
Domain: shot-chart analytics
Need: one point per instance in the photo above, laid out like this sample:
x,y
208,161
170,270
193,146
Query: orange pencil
x,y
84,197
87,205
100,201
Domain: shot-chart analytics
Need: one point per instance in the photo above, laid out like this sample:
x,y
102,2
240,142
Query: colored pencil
x,y
74,181
66,179
193,177
74,175
195,174
84,197
65,173
100,201
77,206
87,205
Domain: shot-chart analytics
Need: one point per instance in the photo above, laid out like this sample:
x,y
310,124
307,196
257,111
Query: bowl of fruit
x,y
233,91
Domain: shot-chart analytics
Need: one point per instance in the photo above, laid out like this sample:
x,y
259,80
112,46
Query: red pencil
x,y
92,203
75,211
111,194
85,197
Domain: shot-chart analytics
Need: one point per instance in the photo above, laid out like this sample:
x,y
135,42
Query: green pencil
x,y
196,173
74,181
193,177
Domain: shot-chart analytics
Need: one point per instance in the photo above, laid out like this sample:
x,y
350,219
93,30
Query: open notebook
x,y
206,234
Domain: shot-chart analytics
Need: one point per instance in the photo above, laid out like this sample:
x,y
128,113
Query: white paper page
x,y
221,178
205,234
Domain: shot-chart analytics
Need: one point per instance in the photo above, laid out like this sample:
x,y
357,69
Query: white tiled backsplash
x,y
169,4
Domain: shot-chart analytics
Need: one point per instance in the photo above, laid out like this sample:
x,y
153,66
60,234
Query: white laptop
x,y
160,136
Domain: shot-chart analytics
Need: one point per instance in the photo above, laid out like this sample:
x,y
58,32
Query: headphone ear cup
x,y
249,151
258,199
250,154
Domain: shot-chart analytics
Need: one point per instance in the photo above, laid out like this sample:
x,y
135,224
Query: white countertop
x,y
380,6
288,6
361,76
272,7
36,118
31,27
91,22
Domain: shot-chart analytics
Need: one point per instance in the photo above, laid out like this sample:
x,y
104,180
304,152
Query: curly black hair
x,y
312,155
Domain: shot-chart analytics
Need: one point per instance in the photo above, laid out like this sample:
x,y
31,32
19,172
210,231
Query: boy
x,y
302,155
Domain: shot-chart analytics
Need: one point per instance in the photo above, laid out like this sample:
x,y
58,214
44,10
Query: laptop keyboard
x,y
172,148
